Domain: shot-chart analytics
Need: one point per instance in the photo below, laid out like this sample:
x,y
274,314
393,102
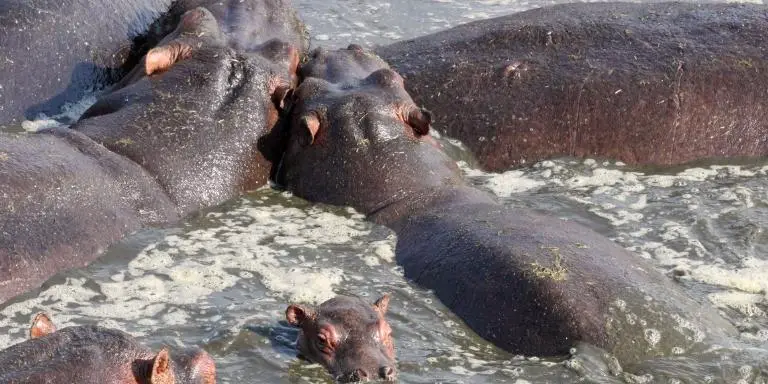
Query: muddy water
x,y
223,278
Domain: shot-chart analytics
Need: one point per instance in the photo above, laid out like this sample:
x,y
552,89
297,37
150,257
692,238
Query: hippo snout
x,y
386,373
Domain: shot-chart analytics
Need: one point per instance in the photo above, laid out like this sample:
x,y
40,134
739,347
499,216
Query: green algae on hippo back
x,y
662,83
97,355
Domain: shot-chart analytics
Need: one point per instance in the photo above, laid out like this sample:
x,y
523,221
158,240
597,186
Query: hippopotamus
x,y
181,132
56,52
661,84
93,354
528,282
348,336
193,111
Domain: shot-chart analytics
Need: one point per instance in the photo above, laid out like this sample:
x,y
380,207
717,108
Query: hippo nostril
x,y
360,375
354,47
387,373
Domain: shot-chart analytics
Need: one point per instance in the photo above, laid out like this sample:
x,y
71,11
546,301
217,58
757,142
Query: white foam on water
x,y
70,112
272,244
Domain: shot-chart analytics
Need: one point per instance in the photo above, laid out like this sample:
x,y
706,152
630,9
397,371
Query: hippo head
x,y
348,336
356,137
114,355
194,110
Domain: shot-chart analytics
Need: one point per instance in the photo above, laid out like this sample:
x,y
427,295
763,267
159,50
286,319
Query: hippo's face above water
x,y
97,355
356,137
348,336
193,112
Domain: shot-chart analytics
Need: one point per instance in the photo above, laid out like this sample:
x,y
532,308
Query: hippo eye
x,y
322,344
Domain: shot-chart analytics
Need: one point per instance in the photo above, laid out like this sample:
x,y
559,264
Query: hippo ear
x,y
282,97
419,119
41,326
382,305
198,364
162,373
296,315
310,125
161,59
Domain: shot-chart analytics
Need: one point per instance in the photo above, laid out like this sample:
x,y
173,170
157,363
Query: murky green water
x,y
223,279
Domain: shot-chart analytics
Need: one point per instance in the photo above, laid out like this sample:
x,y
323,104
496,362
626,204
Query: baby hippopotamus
x,y
348,336
91,354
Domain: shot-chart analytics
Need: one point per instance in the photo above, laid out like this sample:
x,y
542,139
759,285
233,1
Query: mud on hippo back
x,y
92,354
664,83
530,283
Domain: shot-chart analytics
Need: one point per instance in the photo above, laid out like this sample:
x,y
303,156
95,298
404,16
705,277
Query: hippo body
x,y
93,354
535,284
530,283
181,132
64,199
665,83
55,51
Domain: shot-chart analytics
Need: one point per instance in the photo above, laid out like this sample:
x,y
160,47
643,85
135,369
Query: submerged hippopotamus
x,y
528,282
348,336
98,355
643,83
54,52
181,132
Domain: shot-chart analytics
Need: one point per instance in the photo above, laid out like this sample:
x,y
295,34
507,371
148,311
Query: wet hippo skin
x,y
193,111
54,51
348,336
92,354
179,133
664,83
65,199
529,283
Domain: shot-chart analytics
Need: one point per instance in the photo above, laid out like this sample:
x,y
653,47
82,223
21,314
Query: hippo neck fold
x,y
425,201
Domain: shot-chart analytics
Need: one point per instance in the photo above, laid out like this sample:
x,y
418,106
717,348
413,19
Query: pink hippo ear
x,y
419,119
162,373
282,97
382,305
297,315
203,368
161,59
310,125
41,326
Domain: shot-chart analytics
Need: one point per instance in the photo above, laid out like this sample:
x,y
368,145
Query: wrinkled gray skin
x,y
348,336
181,139
529,283
64,200
196,128
54,51
92,354
665,83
